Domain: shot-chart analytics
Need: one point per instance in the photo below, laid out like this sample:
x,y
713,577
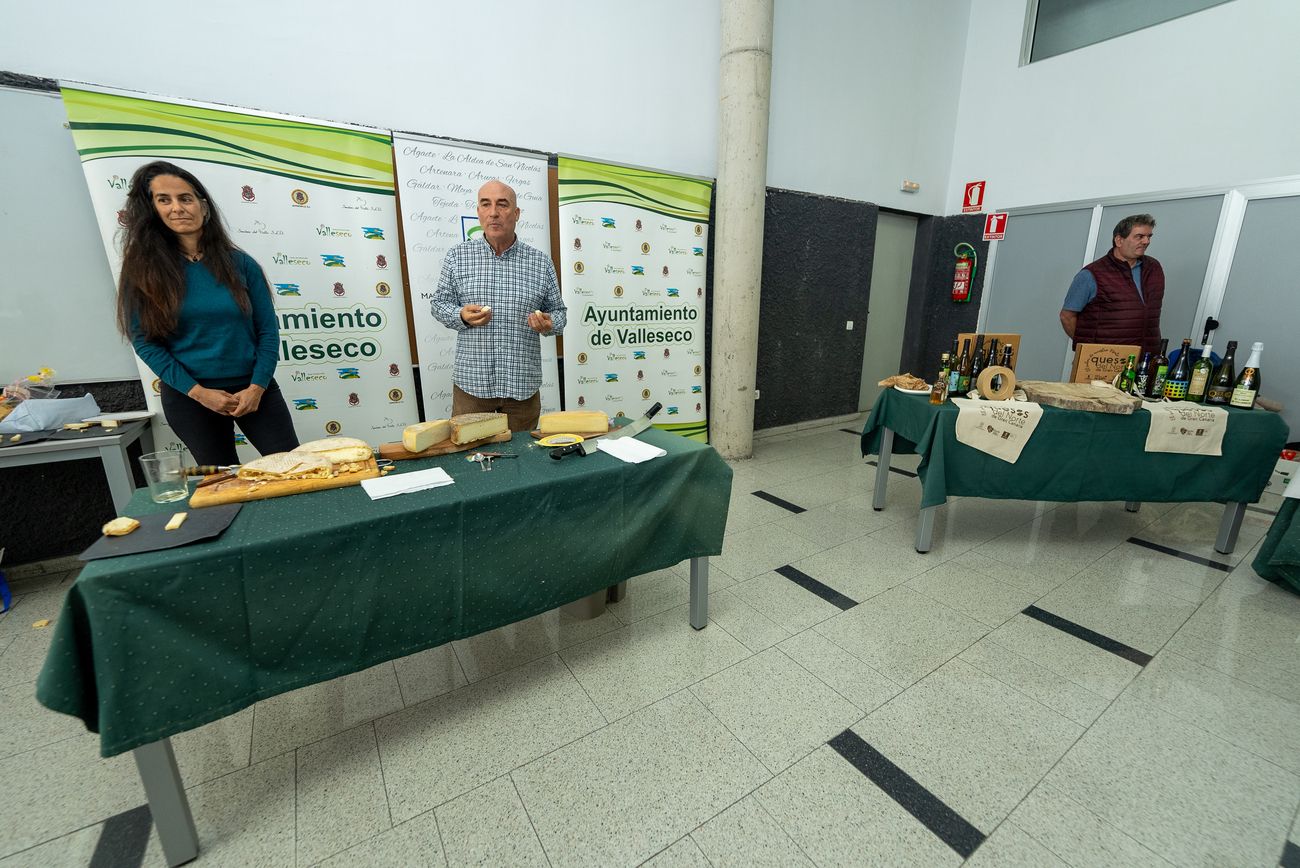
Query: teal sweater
x,y
215,344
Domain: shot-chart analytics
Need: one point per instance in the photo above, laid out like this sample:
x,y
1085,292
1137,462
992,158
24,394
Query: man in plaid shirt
x,y
499,294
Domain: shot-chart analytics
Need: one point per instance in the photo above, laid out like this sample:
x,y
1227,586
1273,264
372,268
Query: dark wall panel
x,y
817,254
933,318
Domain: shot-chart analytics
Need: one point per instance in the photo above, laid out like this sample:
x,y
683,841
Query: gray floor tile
x,y
447,746
685,853
215,749
626,792
746,836
750,627
1164,573
1238,713
74,848
749,553
646,661
647,595
23,655
902,634
1048,548
1011,847
1037,583
781,600
44,604
839,670
515,644
746,512
974,742
1193,527
341,799
814,491
1037,682
429,673
413,843
489,826
1098,671
1178,790
25,724
1138,615
1264,674
312,713
835,815
862,568
718,579
1263,625
837,522
775,707
1073,832
972,593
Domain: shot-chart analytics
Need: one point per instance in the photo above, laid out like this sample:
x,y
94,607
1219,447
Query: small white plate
x,y
128,416
924,391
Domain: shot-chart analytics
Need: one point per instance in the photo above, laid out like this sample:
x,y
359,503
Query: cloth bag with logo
x,y
998,428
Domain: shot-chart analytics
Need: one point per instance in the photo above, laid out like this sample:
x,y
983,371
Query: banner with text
x,y
438,184
633,246
314,205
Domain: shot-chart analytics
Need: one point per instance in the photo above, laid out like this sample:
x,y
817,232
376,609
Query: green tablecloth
x,y
303,589
1278,559
1075,455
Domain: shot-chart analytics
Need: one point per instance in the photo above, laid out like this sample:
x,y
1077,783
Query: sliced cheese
x,y
109,423
573,422
287,465
76,426
339,450
176,521
468,427
120,526
422,435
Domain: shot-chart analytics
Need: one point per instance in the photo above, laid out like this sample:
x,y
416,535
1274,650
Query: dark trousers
x,y
210,436
523,415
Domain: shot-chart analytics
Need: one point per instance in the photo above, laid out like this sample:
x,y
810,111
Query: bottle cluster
x,y
1199,381
958,373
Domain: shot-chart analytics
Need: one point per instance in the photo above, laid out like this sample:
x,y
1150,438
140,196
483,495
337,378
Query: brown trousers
x,y
523,414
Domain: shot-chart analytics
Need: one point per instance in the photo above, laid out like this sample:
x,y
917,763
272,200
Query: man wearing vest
x,y
1116,300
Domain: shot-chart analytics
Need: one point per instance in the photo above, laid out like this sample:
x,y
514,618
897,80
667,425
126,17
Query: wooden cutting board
x,y
397,452
585,435
1080,396
235,490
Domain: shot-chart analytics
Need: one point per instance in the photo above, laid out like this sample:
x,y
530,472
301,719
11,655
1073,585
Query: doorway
x,y
891,279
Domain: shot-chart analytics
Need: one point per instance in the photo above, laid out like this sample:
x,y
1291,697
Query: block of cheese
x,y
338,450
287,465
176,521
468,427
573,422
422,435
120,526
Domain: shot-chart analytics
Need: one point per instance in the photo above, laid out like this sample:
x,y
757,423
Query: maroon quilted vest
x,y
1118,315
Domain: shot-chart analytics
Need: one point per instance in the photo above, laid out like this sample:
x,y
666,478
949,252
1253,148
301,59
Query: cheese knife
x,y
587,447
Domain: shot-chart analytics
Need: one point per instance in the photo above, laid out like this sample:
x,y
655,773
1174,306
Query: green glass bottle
x,y
1201,371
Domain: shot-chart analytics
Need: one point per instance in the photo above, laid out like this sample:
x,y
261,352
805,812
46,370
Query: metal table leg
x,y
118,471
699,593
1132,505
1229,525
925,529
617,592
882,468
167,802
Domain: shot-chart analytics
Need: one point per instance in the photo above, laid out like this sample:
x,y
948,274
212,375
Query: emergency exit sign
x,y
995,226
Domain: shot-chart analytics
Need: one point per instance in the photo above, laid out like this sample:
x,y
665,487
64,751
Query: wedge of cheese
x,y
573,422
338,450
287,465
422,435
469,427
120,526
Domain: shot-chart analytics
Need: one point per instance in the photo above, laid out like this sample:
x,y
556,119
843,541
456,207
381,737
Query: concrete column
x,y
743,98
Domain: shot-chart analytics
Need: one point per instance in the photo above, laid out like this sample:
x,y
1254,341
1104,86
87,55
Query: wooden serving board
x,y
236,490
1080,396
397,452
585,435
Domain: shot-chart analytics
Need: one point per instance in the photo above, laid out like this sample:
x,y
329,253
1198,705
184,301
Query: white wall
x,y
1205,100
864,95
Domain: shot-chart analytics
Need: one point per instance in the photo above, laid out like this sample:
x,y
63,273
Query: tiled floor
x,y
851,703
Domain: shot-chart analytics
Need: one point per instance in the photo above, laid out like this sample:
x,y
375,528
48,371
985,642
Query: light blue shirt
x,y
1083,289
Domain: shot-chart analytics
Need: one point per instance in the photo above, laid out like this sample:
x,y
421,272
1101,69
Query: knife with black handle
x,y
586,447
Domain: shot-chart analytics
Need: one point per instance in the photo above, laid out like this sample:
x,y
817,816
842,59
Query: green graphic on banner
x,y
108,125
670,195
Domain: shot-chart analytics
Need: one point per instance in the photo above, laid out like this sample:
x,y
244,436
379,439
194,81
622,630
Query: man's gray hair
x,y
1125,226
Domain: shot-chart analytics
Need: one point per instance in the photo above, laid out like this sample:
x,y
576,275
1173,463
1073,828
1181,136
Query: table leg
x,y
1233,513
1132,505
925,529
699,593
882,468
167,802
118,471
617,592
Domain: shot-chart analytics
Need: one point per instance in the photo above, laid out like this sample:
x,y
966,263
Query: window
x,y
1054,27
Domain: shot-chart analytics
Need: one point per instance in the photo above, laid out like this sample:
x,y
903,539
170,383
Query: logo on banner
x,y
583,221
394,396
333,260
638,224
611,247
640,375
332,427
381,261
246,193
611,378
304,376
372,233
618,292
613,399
359,204
582,401
673,292
645,247
678,251
697,251
672,411
618,269
616,357
394,370
645,394
697,407
240,439
638,269
156,386
299,197
348,373
582,358
667,229
607,223
286,259
699,230
638,354
331,232
305,404
117,182
577,244
667,372
383,290
666,352
586,381
259,228
699,292
578,267
338,289
665,271
354,400
288,289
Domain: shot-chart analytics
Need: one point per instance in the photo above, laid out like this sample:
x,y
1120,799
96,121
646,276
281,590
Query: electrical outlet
x,y
756,394
848,326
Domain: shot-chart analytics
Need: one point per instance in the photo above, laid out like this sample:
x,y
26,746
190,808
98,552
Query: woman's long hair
x,y
152,284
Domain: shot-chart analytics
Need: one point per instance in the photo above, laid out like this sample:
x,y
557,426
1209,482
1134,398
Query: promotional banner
x,y
314,205
438,184
633,246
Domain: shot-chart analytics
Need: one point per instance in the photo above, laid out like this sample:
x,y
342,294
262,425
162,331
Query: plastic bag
x,y
43,414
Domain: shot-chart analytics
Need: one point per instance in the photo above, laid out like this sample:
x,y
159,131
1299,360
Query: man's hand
x,y
540,322
216,400
476,315
247,400
1069,319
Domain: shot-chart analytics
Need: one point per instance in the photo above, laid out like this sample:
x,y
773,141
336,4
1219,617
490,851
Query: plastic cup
x,y
162,471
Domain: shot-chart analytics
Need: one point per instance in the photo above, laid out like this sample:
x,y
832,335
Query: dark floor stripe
x,y
1196,559
1261,509
123,839
808,583
1290,856
784,504
897,470
1092,637
940,819
855,432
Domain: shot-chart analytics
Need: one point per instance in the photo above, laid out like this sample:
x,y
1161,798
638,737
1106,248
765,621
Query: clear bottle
x,y
1201,371
1180,375
1248,381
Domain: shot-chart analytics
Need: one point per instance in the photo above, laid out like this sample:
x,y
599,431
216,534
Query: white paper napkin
x,y
630,449
405,483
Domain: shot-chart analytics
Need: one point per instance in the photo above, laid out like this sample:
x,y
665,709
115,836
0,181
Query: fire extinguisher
x,y
964,272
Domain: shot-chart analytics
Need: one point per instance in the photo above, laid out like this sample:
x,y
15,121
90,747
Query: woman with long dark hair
x,y
198,311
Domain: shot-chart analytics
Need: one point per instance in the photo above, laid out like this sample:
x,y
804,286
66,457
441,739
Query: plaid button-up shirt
x,y
502,359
